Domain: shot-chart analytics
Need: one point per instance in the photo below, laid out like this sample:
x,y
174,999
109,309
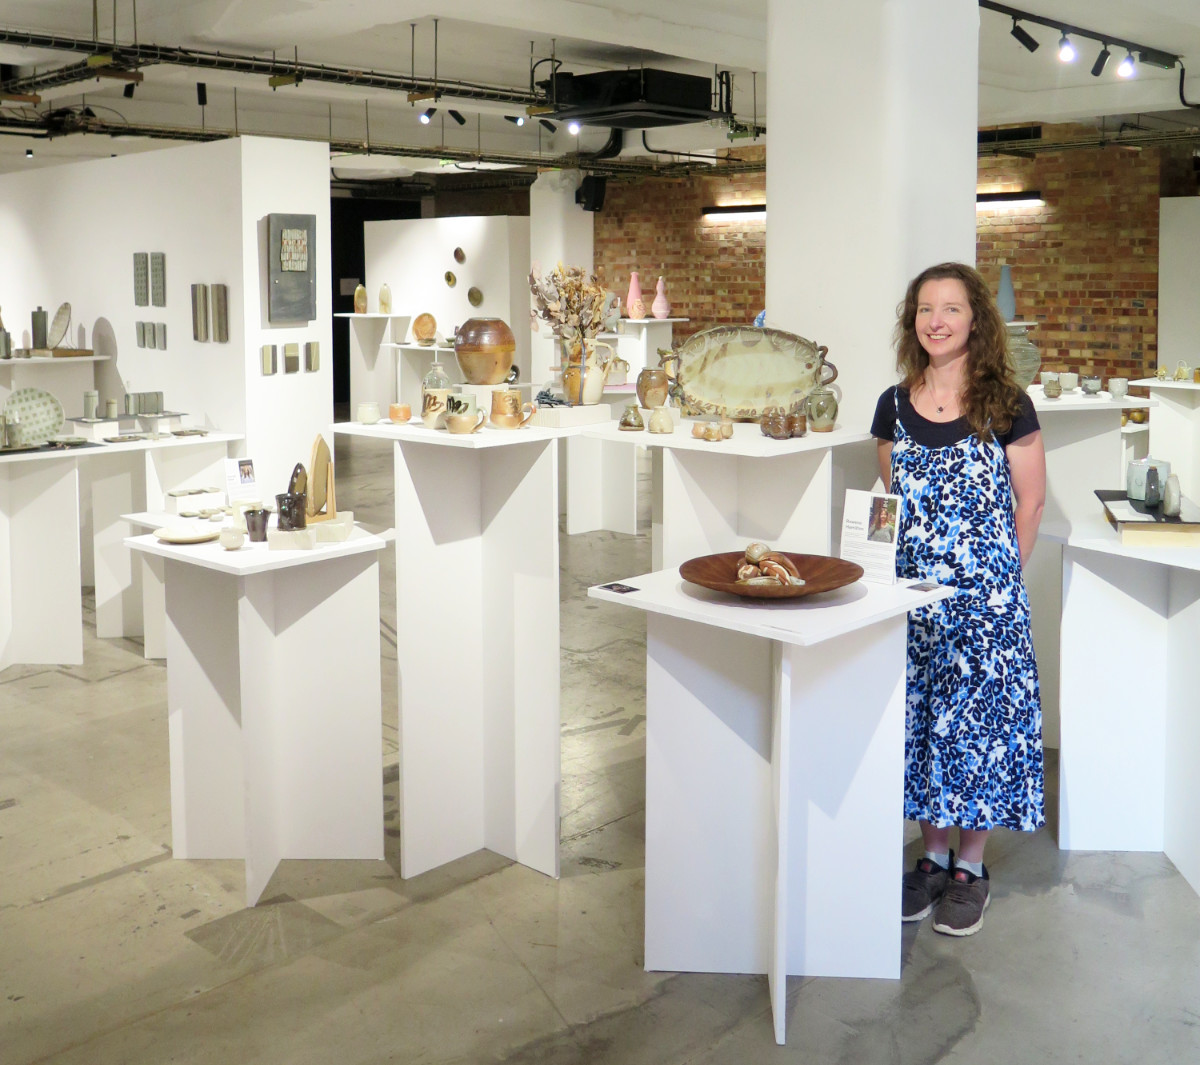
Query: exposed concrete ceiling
x,y
492,43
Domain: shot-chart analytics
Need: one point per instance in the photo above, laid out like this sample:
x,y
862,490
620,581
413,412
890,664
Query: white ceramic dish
x,y
186,534
39,412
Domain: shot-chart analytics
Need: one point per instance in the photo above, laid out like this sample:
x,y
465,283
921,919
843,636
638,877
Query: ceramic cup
x,y
110,408
1118,387
466,423
513,421
291,507
1048,375
433,408
231,538
399,412
1051,389
91,403
256,525
461,403
1091,385
368,413
1069,381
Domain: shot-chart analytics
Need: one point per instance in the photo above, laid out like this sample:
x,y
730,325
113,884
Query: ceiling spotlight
x,y
548,125
1126,67
202,94
457,117
127,92
1024,36
516,120
28,153
1101,60
426,115
1066,50
573,128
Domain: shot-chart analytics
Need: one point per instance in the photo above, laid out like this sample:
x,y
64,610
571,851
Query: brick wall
x,y
1084,266
715,271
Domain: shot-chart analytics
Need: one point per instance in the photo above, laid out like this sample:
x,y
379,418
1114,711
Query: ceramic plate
x,y
189,432
68,441
186,534
460,256
474,296
740,370
59,326
819,572
424,328
40,414
451,280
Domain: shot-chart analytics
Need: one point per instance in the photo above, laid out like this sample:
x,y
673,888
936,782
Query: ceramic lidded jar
x,y
821,407
484,349
652,386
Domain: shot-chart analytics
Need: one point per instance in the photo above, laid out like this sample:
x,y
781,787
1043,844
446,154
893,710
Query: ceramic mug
x,y
466,423
256,525
399,412
461,403
1068,380
110,408
368,413
1183,372
91,404
433,407
507,409
1118,387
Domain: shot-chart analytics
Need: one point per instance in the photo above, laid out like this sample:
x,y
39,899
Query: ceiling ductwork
x,y
631,99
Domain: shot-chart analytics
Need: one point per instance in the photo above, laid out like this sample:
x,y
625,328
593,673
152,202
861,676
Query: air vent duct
x,y
631,99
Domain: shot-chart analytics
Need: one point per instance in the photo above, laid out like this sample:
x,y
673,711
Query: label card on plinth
x,y
869,534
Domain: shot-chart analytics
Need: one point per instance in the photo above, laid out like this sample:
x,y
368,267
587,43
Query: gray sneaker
x,y
923,888
960,913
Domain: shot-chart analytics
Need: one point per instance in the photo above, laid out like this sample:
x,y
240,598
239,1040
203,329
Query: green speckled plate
x,y
40,414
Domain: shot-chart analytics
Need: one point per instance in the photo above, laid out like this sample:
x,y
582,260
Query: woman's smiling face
x,y
944,318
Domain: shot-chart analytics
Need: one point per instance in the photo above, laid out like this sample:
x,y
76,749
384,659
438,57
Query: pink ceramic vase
x,y
635,292
660,308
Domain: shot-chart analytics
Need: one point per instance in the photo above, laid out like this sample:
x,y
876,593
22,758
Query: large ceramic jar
x,y
652,385
1023,354
484,349
822,408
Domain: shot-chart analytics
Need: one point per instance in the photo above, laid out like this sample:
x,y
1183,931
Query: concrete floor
x,y
111,951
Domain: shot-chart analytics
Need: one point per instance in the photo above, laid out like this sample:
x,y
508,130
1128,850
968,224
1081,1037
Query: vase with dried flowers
x,y
576,305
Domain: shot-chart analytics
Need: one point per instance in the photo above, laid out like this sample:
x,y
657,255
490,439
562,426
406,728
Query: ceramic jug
x,y
822,409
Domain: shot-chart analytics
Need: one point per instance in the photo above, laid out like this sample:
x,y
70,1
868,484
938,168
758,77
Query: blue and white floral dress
x,y
973,734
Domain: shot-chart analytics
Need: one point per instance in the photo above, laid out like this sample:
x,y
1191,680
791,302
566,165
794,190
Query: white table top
x,y
1096,534
416,433
747,439
100,448
1154,382
1075,400
253,558
804,621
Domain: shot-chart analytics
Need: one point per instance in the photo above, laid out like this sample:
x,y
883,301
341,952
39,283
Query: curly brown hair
x,y
991,397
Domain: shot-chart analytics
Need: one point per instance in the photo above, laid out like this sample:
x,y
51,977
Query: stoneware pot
x,y
631,419
661,421
652,385
821,409
484,349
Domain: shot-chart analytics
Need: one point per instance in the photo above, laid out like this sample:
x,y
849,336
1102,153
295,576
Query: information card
x,y
869,534
239,480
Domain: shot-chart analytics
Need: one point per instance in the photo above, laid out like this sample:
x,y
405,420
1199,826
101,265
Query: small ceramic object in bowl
x,y
1091,385
368,413
231,538
1118,387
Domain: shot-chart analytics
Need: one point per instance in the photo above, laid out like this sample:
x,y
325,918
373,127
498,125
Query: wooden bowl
x,y
819,572
424,328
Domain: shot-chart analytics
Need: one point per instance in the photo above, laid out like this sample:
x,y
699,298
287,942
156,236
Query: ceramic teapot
x,y
1136,472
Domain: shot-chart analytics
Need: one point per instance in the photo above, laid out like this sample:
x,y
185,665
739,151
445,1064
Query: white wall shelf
x,y
1175,429
47,360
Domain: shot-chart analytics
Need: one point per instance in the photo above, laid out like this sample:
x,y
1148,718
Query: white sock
x,y
970,867
942,861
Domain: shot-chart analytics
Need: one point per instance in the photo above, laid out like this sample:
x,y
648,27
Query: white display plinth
x,y
1175,429
273,698
1130,734
477,635
774,762
719,496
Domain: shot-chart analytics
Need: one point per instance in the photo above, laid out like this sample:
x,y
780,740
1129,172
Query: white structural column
x,y
559,231
871,170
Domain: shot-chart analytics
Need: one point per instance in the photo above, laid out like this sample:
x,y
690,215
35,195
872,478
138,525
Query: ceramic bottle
x,y
660,308
634,295
385,298
360,299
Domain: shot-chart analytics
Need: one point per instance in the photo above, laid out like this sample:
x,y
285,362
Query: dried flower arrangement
x,y
573,302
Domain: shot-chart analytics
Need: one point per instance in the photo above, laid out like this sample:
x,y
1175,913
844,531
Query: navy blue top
x,y
941,434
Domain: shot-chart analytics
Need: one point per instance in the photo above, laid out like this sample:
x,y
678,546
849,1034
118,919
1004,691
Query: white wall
x,y
413,255
286,411
1178,259
69,233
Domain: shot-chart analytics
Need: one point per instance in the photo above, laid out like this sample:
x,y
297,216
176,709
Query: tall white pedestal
x,y
1175,429
273,700
774,761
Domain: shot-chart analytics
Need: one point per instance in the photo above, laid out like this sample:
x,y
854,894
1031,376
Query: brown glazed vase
x,y
652,387
484,349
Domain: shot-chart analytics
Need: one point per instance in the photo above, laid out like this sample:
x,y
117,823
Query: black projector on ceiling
x,y
630,99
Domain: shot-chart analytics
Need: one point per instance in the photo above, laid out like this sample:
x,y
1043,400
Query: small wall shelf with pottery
x,y
372,374
1175,429
44,360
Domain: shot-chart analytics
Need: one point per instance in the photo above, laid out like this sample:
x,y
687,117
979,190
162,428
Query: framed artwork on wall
x,y
291,267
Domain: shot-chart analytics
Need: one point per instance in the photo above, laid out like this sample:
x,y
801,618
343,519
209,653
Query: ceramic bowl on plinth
x,y
484,348
820,573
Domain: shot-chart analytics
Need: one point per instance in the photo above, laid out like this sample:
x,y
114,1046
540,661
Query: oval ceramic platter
x,y
40,414
819,573
187,534
740,370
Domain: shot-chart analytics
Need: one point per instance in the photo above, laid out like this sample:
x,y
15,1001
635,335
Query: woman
x,y
958,441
